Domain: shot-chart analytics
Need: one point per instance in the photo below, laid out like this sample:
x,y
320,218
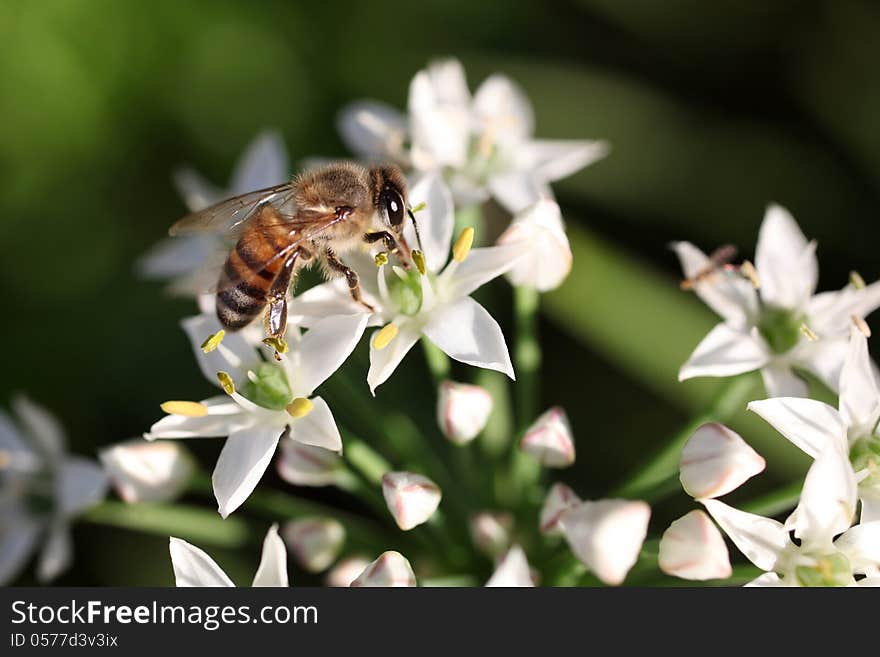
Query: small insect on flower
x,y
317,217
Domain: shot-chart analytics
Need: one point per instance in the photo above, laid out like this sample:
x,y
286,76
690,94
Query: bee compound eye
x,y
393,205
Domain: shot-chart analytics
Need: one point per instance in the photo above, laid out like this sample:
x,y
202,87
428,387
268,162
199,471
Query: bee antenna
x,y
416,227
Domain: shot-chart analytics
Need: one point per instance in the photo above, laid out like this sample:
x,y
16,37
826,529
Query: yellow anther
x,y
300,407
226,382
808,333
862,325
419,258
278,344
185,408
381,259
856,280
463,245
421,206
748,270
213,341
384,336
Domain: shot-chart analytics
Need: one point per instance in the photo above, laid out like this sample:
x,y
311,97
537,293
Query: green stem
x,y
775,502
527,354
194,524
438,362
655,479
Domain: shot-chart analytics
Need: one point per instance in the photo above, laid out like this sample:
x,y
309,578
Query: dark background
x,y
713,109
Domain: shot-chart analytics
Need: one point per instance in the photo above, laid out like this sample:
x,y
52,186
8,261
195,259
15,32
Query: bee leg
x,y
385,236
276,300
354,281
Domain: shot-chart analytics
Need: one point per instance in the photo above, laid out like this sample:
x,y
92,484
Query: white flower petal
x,y
241,464
554,159
273,562
323,349
436,221
80,483
439,116
760,539
40,426
870,505
328,299
57,553
765,580
411,498
512,571
318,428
607,536
716,460
390,569
781,381
823,358
861,544
828,500
315,542
197,192
859,397
693,548
143,471
785,261
263,164
481,266
730,295
559,499
725,351
192,567
549,440
235,355
372,129
503,111
546,261
346,571
176,256
306,465
224,417
383,362
18,540
811,425
517,190
468,333
462,410
491,532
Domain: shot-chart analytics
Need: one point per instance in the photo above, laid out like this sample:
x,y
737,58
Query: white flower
x,y
491,531
813,425
41,490
559,499
346,571
607,536
693,548
783,325
437,305
411,498
462,410
825,511
189,261
512,571
315,542
269,399
482,144
546,260
307,465
193,567
143,471
716,460
549,440
390,569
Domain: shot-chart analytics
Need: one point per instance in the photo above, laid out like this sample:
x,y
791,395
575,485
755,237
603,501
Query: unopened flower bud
x,y
549,440
607,536
144,471
559,499
308,465
547,255
693,548
346,571
491,532
314,542
715,461
462,410
512,571
390,569
411,498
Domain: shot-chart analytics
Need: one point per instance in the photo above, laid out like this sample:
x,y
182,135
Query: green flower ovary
x,y
865,455
268,387
406,292
829,570
780,328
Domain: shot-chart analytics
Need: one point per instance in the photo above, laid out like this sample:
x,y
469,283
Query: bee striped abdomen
x,y
250,269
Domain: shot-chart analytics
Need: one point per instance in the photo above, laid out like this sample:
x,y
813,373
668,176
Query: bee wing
x,y
231,214
304,227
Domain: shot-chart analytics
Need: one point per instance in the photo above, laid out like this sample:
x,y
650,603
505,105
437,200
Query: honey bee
x,y
317,217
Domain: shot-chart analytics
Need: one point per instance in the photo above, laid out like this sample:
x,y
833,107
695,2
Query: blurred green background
x,y
713,110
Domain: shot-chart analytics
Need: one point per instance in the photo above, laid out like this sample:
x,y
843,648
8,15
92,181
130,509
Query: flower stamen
x,y
856,280
213,341
278,344
299,407
808,333
184,408
226,382
862,325
419,258
381,259
463,244
384,336
748,270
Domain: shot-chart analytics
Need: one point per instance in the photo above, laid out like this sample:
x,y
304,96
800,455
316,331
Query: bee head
x,y
391,202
